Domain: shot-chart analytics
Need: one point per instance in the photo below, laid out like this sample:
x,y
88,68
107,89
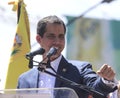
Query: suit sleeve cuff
x,y
111,84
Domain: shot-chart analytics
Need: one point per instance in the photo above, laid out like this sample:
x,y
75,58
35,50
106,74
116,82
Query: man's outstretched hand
x,y
106,72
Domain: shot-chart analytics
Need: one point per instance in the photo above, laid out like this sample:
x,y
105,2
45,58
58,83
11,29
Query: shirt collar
x,y
56,62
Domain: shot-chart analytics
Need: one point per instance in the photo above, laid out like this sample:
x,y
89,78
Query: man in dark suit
x,y
51,33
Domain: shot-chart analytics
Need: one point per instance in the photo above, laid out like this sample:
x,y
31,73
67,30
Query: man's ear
x,y
38,38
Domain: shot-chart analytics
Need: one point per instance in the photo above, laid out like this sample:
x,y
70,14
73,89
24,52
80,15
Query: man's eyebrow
x,y
50,33
54,34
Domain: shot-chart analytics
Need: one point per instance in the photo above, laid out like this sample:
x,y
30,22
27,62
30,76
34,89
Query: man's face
x,y
53,37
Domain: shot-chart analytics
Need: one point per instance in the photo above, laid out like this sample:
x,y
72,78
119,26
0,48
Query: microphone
x,y
51,52
36,52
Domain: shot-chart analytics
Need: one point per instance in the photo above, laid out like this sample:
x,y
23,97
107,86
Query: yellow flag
x,y
18,63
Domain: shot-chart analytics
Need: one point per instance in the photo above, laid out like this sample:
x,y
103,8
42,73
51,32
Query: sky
x,y
40,8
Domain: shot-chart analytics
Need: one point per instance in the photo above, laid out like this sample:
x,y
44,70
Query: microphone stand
x,y
92,92
30,62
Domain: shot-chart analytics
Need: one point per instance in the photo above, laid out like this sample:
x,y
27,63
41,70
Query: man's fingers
x,y
103,68
106,72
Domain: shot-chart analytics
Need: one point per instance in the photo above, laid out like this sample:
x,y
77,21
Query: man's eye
x,y
61,37
50,37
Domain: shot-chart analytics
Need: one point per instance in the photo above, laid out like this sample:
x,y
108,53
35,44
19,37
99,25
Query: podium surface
x,y
38,93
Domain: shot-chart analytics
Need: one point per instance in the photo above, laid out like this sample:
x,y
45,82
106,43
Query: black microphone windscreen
x,y
39,51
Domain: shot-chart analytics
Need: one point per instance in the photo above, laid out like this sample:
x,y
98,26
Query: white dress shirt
x,y
46,80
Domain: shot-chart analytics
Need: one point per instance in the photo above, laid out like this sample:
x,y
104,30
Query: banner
x,y
95,41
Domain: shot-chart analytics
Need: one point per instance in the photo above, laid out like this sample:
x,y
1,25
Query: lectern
x,y
38,93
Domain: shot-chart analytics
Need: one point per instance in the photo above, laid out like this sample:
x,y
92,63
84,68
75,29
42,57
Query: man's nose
x,y
57,40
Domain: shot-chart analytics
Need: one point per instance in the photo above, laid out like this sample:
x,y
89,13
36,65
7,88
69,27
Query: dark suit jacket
x,y
77,71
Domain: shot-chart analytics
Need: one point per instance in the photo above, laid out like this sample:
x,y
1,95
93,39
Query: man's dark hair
x,y
41,26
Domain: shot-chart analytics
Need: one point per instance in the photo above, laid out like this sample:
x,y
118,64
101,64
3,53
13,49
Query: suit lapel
x,y
62,69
